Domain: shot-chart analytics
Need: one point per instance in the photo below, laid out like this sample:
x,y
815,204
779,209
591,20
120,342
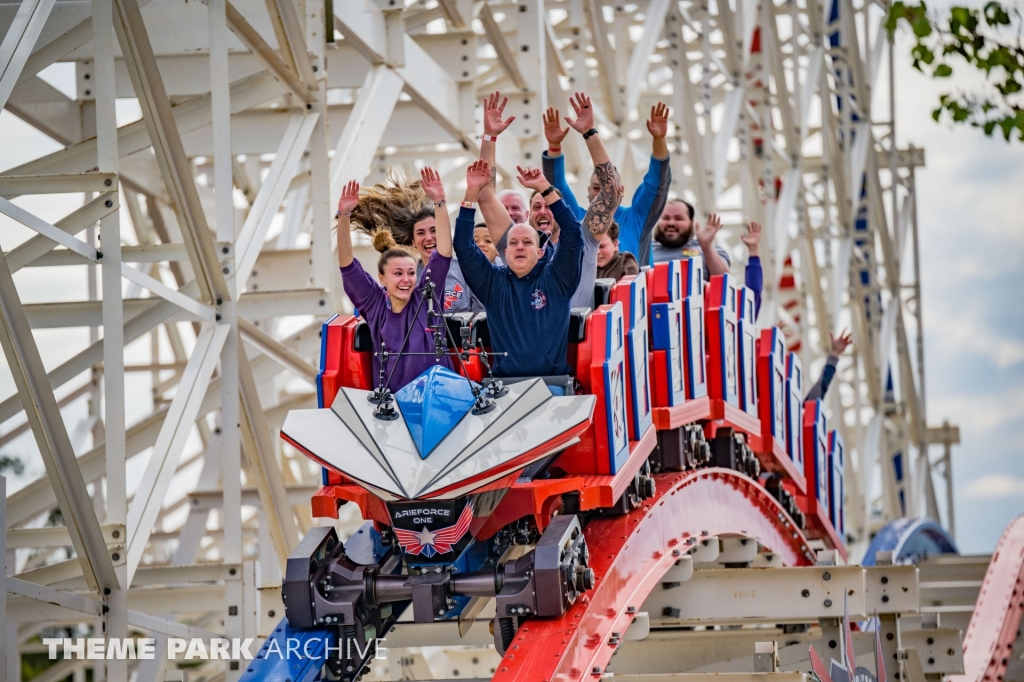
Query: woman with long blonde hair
x,y
393,305
405,209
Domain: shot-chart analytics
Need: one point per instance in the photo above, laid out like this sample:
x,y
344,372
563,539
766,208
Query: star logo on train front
x,y
425,537
431,543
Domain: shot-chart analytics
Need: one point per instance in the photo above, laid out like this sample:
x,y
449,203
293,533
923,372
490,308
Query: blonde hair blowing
x,y
394,207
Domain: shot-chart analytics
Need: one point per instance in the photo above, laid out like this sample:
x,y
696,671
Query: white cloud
x,y
980,411
955,328
994,486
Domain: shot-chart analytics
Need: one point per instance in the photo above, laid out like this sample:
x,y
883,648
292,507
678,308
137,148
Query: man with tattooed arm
x,y
636,222
599,216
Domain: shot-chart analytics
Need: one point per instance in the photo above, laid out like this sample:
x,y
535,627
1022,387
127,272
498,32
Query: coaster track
x,y
631,554
252,114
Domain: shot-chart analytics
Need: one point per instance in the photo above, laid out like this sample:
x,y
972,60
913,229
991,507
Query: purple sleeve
x,y
755,281
360,287
437,266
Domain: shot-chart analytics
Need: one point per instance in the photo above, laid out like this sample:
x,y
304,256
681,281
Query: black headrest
x,y
578,324
481,334
456,322
363,342
603,292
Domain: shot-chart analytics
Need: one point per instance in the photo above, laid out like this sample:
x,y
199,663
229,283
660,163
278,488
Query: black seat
x,y
603,292
363,342
578,324
456,323
480,335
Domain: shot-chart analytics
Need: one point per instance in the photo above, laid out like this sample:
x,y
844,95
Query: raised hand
x,y
494,107
584,113
532,178
553,130
839,343
432,184
706,233
349,197
657,124
478,175
753,238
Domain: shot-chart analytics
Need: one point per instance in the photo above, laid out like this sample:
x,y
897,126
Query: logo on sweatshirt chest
x,y
453,295
538,300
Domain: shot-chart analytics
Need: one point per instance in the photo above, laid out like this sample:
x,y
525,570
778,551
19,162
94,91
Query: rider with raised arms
x,y
393,305
528,299
597,218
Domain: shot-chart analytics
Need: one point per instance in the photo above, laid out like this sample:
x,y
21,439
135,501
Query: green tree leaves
x,y
988,39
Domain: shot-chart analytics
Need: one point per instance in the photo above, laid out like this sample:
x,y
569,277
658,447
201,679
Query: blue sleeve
x,y
820,387
755,281
826,378
643,198
567,261
478,271
652,193
554,171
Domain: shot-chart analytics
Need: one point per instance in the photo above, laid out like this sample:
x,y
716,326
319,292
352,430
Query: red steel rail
x,y
630,554
997,613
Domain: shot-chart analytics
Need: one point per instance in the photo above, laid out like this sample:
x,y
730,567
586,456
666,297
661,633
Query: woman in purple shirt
x,y
393,305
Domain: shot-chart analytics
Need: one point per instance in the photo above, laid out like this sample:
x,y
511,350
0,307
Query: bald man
x,y
527,300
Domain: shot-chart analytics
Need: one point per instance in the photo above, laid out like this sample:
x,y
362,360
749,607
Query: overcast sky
x,y
971,212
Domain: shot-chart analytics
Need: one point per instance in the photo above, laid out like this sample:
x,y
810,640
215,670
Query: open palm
x,y
584,120
349,197
553,130
494,108
840,342
706,233
657,124
478,175
432,184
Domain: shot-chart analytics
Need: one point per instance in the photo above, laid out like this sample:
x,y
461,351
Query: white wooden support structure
x,y
284,102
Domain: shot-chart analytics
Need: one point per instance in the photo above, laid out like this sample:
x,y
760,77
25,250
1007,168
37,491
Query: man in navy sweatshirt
x,y
528,299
